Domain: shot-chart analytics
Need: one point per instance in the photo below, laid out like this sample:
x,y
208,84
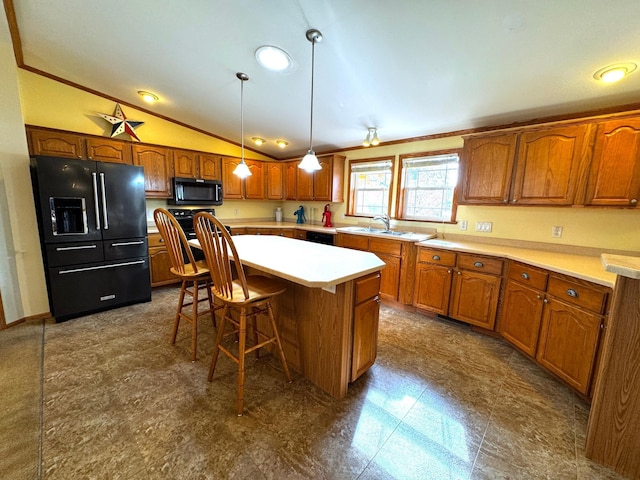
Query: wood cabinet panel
x,y
304,185
580,293
365,324
528,275
548,165
275,180
439,257
521,316
291,181
474,298
614,178
433,288
107,150
487,169
157,169
254,183
209,166
56,144
231,184
390,276
185,164
159,262
568,343
480,263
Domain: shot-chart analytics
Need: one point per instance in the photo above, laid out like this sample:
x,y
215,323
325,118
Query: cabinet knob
x,y
545,301
436,257
478,264
515,200
572,293
538,297
633,201
459,273
525,275
161,240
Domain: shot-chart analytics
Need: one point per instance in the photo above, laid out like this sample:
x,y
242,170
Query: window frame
x,y
351,190
400,196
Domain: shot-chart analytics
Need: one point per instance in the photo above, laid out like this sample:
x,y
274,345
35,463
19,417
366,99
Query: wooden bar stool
x,y
194,274
247,296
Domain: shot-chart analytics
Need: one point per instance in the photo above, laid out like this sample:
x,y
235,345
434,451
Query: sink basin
x,y
375,231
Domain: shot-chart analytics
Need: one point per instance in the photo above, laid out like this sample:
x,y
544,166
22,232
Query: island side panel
x,y
613,433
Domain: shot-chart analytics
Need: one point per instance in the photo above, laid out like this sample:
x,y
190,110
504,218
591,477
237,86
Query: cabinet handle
x,y
478,264
538,297
545,301
515,200
572,293
633,201
459,273
525,275
161,240
449,271
436,257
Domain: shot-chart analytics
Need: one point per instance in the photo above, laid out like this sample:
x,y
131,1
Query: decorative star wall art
x,y
120,123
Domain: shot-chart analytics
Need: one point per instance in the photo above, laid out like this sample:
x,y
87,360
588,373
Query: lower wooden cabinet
x,y
365,324
461,286
159,262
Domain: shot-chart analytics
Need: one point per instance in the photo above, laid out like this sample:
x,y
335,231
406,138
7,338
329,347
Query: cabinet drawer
x,y
586,295
155,240
367,287
527,275
440,257
480,264
355,241
385,246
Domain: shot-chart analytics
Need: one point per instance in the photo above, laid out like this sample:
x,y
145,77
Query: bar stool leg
x,y
194,320
176,322
242,332
280,349
219,336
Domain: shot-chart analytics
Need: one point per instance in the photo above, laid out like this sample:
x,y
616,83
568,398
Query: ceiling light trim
x,y
615,72
274,58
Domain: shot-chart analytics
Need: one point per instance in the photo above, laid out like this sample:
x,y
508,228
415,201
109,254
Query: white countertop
x,y
310,264
579,266
622,265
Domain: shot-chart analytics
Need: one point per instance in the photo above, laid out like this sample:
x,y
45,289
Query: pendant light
x,y
242,170
310,161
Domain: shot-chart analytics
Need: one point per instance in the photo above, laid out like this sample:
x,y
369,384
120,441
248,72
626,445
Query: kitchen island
x,y
328,316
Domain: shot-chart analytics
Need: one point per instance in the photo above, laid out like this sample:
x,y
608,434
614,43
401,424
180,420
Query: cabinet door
x,y
291,181
569,342
57,144
486,169
365,336
184,164
231,184
322,180
209,166
304,184
106,150
159,262
521,316
475,298
614,178
549,165
254,184
390,276
433,288
275,183
157,169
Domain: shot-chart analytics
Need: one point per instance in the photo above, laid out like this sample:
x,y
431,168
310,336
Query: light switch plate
x,y
485,227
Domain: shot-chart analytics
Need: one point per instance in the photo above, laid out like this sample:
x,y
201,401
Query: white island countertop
x,y
310,264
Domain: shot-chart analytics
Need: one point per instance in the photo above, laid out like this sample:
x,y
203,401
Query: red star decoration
x,y
120,123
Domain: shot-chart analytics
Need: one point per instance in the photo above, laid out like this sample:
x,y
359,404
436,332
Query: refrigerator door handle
x,y
83,247
104,202
95,199
101,267
126,244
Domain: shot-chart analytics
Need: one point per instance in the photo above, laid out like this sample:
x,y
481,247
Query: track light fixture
x,y
310,161
242,170
371,138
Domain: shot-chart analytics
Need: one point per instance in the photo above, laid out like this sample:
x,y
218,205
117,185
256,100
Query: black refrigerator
x,y
93,233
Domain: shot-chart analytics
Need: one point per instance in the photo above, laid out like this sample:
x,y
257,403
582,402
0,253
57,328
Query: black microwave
x,y
196,191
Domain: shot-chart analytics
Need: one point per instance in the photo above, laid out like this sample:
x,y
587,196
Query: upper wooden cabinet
x,y
275,180
185,164
70,145
614,178
209,166
157,169
232,185
549,165
291,180
326,184
487,168
254,184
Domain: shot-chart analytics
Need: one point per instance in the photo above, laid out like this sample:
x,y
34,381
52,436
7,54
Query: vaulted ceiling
x,y
408,67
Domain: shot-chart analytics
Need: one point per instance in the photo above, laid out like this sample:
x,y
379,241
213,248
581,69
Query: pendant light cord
x,y
242,119
313,63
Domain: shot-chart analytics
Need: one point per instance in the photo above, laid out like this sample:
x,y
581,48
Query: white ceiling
x,y
408,67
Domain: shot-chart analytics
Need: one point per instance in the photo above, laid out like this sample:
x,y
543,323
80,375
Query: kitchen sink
x,y
375,231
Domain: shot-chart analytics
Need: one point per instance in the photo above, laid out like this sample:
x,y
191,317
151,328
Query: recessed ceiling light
x,y
613,73
258,140
273,58
282,143
148,96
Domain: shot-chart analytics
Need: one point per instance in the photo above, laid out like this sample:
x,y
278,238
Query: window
x,y
370,186
428,187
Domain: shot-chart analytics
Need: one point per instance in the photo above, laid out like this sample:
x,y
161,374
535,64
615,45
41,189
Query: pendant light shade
x,y
242,170
310,161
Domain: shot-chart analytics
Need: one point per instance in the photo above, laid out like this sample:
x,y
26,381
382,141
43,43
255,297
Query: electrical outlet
x,y
235,212
463,224
485,227
556,232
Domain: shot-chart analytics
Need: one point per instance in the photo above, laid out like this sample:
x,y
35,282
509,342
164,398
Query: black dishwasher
x,y
320,237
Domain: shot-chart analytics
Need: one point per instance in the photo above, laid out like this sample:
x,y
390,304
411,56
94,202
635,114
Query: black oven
x,y
184,217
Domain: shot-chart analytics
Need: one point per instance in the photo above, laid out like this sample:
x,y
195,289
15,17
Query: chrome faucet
x,y
384,218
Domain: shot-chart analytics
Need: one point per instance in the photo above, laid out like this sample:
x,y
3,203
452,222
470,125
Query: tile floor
x,y
441,402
